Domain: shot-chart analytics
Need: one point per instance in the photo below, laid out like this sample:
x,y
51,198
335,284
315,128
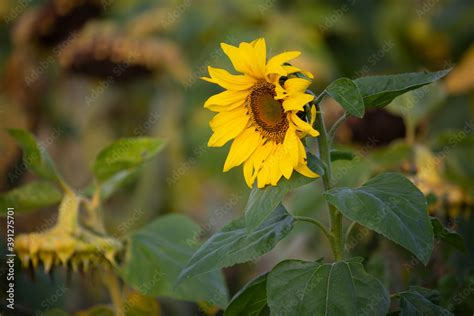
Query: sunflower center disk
x,y
267,113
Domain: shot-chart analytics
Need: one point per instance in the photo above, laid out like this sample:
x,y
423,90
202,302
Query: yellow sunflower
x,y
261,111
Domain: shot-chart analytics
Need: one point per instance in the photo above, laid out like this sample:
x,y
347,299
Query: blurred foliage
x,y
73,83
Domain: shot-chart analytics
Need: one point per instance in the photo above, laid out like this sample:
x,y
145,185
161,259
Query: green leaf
x,y
347,94
432,295
250,300
125,154
341,155
262,202
233,244
447,235
417,104
35,157
392,206
416,302
156,254
296,287
378,91
31,196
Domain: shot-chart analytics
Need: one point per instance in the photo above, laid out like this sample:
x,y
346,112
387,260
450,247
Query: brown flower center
x,y
266,113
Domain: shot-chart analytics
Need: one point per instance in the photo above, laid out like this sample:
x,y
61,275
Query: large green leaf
x,y
35,157
233,244
250,300
296,287
415,105
392,206
378,91
262,202
417,302
31,196
156,254
125,154
347,94
447,235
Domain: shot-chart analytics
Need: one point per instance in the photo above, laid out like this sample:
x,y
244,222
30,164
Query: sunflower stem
x,y
336,125
337,240
314,222
113,285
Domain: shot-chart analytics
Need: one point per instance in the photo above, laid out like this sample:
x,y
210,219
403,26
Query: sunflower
x,y
262,110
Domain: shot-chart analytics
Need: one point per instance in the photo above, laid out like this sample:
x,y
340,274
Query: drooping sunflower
x,y
262,110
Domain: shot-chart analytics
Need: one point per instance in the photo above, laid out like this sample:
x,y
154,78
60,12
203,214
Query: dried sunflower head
x,y
105,53
67,243
429,180
59,247
56,20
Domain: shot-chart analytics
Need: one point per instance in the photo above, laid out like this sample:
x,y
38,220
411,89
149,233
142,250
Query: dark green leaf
x,y
341,155
262,202
447,235
392,206
347,94
250,300
431,295
415,105
378,91
414,302
157,253
35,157
233,244
296,287
125,154
31,196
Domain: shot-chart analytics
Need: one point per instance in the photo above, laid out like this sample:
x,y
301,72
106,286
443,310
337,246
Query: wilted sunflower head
x,y
261,110
103,51
67,243
56,20
79,250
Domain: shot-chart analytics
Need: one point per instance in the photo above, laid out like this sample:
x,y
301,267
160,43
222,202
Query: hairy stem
x,y
94,212
337,241
314,222
113,285
336,125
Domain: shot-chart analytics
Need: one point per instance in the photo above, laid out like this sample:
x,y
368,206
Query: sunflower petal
x,y
227,117
291,146
275,174
225,98
248,172
247,58
296,102
229,81
303,126
254,56
304,170
225,132
296,85
263,176
292,69
274,65
282,156
242,147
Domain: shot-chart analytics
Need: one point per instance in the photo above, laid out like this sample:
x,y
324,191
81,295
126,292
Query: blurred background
x,y
81,73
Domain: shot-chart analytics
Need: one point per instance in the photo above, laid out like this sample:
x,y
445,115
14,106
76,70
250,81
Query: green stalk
x,y
316,223
68,214
337,240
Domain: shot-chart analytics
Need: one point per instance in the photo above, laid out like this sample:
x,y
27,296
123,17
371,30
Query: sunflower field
x,y
268,157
